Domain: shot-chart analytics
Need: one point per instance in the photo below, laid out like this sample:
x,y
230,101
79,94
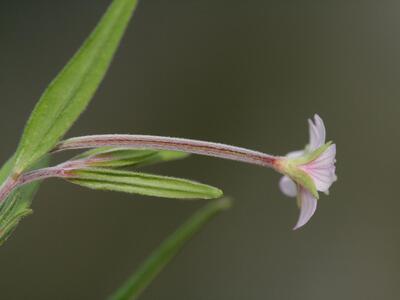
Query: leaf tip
x,y
215,193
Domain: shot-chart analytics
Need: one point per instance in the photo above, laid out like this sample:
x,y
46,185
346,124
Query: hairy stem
x,y
42,174
12,183
170,143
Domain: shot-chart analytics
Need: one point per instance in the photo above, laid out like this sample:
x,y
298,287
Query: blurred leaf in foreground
x,y
156,262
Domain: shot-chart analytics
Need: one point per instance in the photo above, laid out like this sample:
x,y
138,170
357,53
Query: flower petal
x,y
327,157
317,133
321,128
288,187
322,169
308,205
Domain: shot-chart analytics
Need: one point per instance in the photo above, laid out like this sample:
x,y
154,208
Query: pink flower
x,y
316,162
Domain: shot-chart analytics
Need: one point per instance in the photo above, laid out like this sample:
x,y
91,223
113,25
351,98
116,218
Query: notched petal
x,y
317,132
321,128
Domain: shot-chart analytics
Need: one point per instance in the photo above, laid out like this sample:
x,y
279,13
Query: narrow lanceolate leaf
x,y
120,157
156,262
70,92
144,184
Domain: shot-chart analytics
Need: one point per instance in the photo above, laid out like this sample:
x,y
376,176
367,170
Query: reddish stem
x,y
169,143
13,182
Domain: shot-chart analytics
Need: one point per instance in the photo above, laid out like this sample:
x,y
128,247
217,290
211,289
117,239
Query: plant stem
x,y
12,183
41,174
170,143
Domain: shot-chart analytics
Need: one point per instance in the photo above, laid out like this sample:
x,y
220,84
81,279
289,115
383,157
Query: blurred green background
x,y
247,73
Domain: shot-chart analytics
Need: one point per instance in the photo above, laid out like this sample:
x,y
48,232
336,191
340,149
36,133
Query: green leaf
x,y
144,184
122,157
11,213
70,92
163,156
17,205
156,262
